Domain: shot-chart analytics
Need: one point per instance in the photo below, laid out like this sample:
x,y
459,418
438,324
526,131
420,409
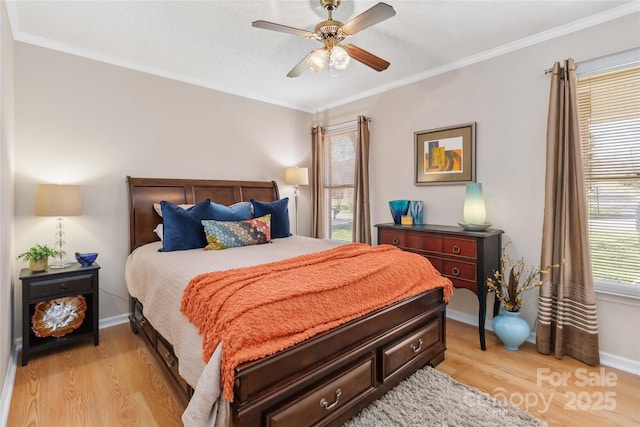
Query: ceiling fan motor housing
x,y
330,4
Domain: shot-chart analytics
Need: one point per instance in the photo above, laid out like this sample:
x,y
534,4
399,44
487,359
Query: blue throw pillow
x,y
238,212
279,211
182,228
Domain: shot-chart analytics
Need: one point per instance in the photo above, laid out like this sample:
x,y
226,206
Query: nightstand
x,y
52,284
467,258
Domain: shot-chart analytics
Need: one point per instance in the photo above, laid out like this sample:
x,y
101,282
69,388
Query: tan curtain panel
x,y
361,219
567,316
317,208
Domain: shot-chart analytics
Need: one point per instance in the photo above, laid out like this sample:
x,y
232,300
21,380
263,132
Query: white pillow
x,y
158,209
158,230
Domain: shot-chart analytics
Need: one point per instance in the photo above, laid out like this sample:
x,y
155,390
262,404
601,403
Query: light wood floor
x,y
119,383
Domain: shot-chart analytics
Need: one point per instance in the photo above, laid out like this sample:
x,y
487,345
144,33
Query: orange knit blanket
x,y
257,311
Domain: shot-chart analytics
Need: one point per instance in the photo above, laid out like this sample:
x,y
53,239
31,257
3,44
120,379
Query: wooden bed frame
x,y
322,381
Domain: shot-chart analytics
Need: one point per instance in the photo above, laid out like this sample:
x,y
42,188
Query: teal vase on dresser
x,y
511,329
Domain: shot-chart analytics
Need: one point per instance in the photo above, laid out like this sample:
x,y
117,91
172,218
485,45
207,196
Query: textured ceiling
x,y
212,43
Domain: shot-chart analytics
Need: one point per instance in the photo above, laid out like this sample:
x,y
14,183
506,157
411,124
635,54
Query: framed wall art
x,y
446,155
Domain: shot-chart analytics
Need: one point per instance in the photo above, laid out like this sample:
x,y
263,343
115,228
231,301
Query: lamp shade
x,y
58,200
296,176
474,210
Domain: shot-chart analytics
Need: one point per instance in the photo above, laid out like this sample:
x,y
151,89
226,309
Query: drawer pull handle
x,y
396,240
418,348
455,271
456,249
170,360
325,404
63,286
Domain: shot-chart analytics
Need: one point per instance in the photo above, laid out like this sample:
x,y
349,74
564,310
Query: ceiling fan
x,y
332,33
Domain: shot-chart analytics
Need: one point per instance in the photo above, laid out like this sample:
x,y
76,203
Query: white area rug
x,y
431,398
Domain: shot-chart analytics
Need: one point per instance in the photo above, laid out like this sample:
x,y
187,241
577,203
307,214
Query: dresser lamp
x,y
296,176
59,201
475,214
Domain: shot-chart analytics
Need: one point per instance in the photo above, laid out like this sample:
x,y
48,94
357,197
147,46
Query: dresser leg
x,y
482,302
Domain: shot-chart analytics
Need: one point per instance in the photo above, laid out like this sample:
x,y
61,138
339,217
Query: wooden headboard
x,y
144,192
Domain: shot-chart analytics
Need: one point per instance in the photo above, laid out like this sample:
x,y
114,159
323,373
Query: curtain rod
x,y
344,125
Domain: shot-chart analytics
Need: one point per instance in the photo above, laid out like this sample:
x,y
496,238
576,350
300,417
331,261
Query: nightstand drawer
x,y
459,247
392,237
423,242
55,287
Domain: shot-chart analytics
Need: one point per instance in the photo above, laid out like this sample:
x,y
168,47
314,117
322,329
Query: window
x,y
609,112
339,175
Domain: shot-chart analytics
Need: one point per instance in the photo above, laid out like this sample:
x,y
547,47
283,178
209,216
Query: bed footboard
x,y
331,377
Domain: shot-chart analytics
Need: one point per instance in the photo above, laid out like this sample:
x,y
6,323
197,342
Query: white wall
x,y
6,203
83,122
507,97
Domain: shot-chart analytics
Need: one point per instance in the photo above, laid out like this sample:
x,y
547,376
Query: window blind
x,y
609,115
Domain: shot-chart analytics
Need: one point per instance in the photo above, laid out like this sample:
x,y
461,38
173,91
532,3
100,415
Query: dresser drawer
x,y
398,354
459,247
165,350
423,242
458,269
311,408
62,285
392,237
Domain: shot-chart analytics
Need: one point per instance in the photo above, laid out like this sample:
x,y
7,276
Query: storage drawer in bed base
x,y
262,399
161,347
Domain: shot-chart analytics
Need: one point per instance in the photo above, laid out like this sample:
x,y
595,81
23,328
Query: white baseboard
x,y
607,359
7,390
113,321
618,362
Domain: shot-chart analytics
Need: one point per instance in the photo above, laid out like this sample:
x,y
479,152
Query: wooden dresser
x,y
465,257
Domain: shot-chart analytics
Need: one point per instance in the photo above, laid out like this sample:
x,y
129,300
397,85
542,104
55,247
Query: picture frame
x,y
445,155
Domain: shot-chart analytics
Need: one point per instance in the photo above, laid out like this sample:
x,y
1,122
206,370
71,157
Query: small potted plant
x,y
38,257
509,284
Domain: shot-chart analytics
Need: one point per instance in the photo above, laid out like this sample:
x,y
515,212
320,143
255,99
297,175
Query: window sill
x,y
620,293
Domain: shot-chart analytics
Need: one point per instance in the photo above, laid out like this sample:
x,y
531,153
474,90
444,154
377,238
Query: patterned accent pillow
x,y
232,234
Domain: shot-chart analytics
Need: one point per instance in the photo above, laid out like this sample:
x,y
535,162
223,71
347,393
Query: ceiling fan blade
x,y
301,67
368,59
369,17
265,25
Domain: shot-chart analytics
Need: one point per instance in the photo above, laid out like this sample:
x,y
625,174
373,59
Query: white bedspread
x,y
158,279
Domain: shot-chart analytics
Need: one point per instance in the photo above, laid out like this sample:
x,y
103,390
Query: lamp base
x,y
475,227
60,264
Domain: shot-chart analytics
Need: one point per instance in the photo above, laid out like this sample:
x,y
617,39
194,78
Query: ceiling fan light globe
x,y
340,59
317,60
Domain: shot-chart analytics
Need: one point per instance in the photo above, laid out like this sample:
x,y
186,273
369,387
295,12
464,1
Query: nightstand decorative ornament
x,y
58,317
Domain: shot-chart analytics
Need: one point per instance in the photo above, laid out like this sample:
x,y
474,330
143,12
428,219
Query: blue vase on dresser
x,y
398,209
511,329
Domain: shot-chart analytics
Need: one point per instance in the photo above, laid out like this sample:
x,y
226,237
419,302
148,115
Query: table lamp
x,y
59,201
475,214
